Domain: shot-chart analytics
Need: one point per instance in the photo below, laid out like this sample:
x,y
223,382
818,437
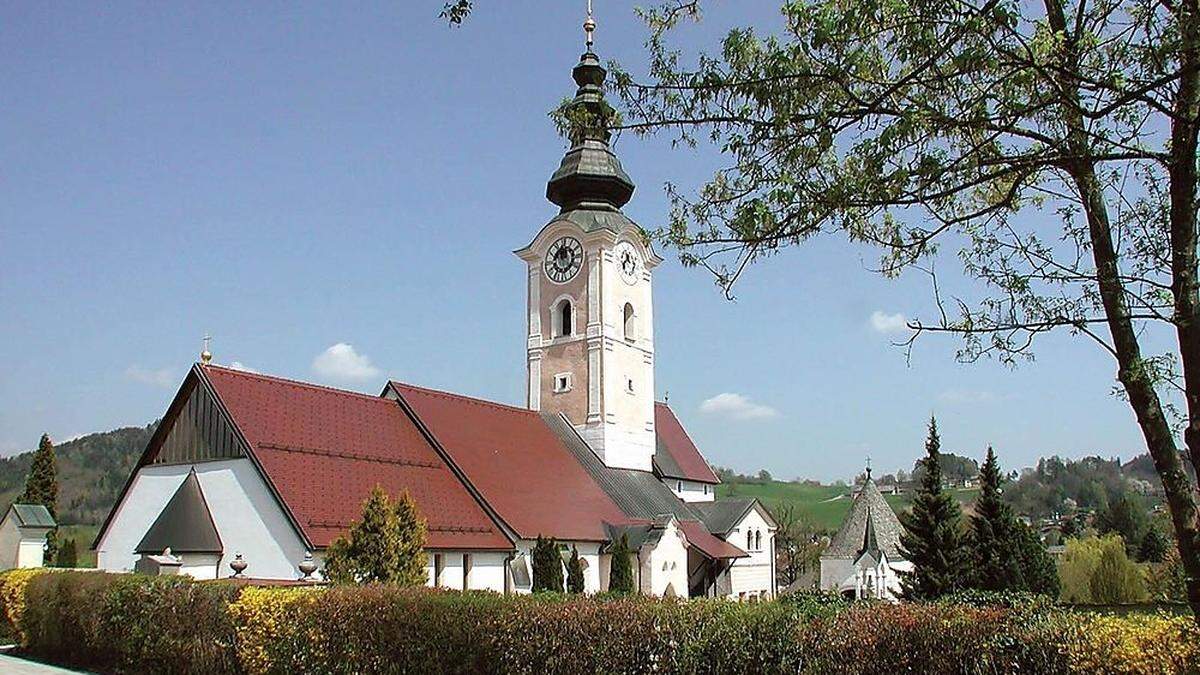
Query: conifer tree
x,y
41,487
547,566
1154,546
68,554
1038,571
620,575
932,536
994,539
386,545
574,572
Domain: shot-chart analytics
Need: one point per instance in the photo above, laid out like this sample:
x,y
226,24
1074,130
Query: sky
x,y
334,194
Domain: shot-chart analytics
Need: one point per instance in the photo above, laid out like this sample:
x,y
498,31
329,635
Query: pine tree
x,y
1038,571
620,575
68,554
547,566
994,540
41,487
1126,518
386,545
932,537
574,572
1154,546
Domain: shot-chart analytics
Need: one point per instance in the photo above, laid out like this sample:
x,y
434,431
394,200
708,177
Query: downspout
x,y
774,582
639,570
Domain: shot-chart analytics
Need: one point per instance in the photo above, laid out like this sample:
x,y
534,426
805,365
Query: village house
x,y
248,470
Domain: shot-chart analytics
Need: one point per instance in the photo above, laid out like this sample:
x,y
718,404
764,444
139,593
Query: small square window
x,y
562,383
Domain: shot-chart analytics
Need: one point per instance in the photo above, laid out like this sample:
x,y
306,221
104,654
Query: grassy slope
x,y
817,502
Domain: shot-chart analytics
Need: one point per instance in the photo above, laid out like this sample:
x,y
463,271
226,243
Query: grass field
x,y
819,503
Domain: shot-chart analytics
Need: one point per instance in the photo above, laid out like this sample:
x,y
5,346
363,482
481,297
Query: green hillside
x,y
824,505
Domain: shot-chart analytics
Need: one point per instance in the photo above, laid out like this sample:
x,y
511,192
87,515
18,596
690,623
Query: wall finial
x,y
589,26
205,354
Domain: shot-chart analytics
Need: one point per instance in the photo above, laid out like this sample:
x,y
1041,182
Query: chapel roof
x,y
32,515
869,511
675,455
185,524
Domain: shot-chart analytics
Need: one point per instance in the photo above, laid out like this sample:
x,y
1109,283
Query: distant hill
x,y
92,469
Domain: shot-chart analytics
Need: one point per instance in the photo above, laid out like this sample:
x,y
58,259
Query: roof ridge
x,y
294,382
463,397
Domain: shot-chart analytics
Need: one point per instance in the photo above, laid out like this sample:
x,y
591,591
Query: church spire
x,y
590,175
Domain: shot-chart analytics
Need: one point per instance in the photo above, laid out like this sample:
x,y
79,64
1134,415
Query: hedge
x,y
169,624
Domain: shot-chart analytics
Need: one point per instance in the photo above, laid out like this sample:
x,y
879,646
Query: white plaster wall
x,y
594,569
201,565
665,564
10,544
833,572
752,574
32,552
691,491
247,518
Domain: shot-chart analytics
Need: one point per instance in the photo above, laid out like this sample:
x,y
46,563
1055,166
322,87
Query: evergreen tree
x,y
620,576
1069,529
932,537
1038,571
1153,547
68,554
574,572
41,487
1126,518
386,545
547,566
994,539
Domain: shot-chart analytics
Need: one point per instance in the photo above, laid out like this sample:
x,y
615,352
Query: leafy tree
x,y
620,575
574,572
386,545
1166,581
1117,579
41,487
993,539
1038,571
1051,145
68,554
547,566
932,537
797,546
1125,518
1154,546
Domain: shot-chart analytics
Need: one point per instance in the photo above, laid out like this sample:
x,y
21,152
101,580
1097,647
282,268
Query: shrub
x,y
12,599
265,620
1134,644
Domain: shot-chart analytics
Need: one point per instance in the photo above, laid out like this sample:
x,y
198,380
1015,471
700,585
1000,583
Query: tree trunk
x,y
1143,398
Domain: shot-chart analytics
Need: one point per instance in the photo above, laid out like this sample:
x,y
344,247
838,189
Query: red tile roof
x,y
675,441
324,449
517,463
713,547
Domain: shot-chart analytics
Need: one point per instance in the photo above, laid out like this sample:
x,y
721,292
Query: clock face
x,y
563,259
628,261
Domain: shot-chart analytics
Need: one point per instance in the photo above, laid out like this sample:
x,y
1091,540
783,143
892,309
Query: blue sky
x,y
294,178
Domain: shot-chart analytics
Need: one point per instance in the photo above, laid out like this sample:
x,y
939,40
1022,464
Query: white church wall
x,y
834,571
752,575
691,491
664,566
595,570
246,515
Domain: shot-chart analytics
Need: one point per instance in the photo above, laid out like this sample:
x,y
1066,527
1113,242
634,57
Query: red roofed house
x,y
268,471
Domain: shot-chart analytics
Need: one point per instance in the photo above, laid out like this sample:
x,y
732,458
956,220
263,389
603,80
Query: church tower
x,y
591,330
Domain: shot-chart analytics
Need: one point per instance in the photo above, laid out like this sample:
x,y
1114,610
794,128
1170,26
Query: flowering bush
x,y
173,625
12,599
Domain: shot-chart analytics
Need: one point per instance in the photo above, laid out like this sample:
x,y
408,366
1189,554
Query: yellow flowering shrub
x,y
266,621
12,598
1135,645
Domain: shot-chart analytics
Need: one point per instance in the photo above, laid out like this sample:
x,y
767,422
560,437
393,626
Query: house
x,y
267,471
864,559
23,534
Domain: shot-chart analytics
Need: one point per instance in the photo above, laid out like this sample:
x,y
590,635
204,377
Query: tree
x,y
41,487
386,545
1038,571
547,566
1053,144
1125,518
620,575
1117,579
1153,547
994,539
68,554
932,536
574,572
797,546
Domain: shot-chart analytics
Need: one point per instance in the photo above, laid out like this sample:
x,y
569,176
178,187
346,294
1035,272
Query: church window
x,y
758,540
439,565
467,564
562,383
749,540
564,319
630,324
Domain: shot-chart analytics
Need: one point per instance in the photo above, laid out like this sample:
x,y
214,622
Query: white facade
x,y
248,520
753,577
21,546
690,490
866,578
663,568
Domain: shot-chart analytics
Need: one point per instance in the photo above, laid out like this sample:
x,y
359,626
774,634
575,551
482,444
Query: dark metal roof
x,y
721,516
869,508
184,525
32,515
593,219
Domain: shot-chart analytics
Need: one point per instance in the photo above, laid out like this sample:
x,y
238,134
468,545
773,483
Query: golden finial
x,y
589,26
205,355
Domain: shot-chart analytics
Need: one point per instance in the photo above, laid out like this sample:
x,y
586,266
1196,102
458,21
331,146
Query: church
x,y
257,475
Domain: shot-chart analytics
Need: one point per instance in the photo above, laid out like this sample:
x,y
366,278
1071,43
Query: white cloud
x,y
342,362
738,407
967,396
238,365
159,378
882,322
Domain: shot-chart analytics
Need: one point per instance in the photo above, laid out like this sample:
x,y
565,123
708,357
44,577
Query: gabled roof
x,y
871,509
185,524
516,462
675,455
32,515
324,449
723,515
711,546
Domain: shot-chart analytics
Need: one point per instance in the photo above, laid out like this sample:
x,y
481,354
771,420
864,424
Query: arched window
x,y
563,318
630,324
758,540
749,540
